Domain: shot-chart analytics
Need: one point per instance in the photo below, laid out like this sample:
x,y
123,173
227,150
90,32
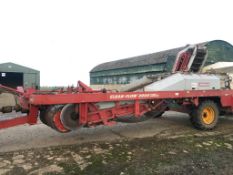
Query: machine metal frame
x,y
89,113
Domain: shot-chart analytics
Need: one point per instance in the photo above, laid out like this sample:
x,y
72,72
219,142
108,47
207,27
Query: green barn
x,y
114,74
14,75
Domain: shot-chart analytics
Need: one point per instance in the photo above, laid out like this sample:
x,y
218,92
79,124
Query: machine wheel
x,y
52,118
155,114
70,117
42,116
205,116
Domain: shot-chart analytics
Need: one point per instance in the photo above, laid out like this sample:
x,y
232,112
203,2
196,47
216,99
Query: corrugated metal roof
x,y
154,58
12,67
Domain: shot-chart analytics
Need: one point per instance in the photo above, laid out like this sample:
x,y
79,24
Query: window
x,y
3,74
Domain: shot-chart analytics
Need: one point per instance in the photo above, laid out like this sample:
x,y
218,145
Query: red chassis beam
x,y
31,119
39,99
13,122
86,98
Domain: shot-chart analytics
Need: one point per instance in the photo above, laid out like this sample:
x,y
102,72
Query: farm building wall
x,y
113,75
14,75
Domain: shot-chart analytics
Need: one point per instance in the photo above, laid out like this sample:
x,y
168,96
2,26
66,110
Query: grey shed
x,y
124,71
14,75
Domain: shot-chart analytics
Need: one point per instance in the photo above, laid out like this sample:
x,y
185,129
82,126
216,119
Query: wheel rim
x,y
58,124
208,115
69,117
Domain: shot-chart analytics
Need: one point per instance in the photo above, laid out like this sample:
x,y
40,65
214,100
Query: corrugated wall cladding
x,y
31,77
126,70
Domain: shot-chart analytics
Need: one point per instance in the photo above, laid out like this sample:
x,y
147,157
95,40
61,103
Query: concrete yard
x,y
40,135
40,141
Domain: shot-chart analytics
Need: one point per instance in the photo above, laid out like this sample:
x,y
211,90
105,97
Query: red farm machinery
x,y
204,96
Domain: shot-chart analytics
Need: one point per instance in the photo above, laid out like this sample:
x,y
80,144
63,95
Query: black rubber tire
x,y
42,116
154,114
50,112
196,117
49,115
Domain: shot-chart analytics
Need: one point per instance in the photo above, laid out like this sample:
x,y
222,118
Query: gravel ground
x,y
40,135
169,145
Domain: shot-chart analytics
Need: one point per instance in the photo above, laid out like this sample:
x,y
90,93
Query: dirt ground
x,y
168,145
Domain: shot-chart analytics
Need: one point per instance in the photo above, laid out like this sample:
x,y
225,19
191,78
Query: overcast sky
x,y
66,39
